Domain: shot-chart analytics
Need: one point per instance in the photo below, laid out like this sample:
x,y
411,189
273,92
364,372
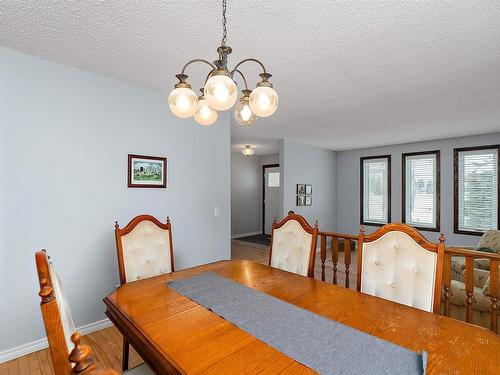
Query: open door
x,y
270,196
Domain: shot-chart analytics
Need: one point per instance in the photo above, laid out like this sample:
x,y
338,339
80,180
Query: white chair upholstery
x,y
146,251
397,268
63,307
291,248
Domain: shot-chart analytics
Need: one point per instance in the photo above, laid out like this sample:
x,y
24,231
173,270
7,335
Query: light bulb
x,y
205,115
183,102
242,113
263,101
220,91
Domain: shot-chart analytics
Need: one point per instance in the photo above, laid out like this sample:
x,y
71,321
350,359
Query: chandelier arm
x,y
198,60
254,60
242,76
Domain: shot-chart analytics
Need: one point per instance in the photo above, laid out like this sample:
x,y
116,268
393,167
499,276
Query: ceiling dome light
x,y
220,91
220,88
183,101
247,151
242,113
263,99
204,115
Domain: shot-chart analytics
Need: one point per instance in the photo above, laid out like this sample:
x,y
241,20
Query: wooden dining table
x,y
176,335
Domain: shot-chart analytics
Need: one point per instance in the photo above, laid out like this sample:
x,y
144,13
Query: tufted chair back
x,y
397,263
293,245
144,248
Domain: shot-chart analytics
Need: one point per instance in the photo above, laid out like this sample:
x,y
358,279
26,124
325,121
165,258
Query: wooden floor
x,y
107,343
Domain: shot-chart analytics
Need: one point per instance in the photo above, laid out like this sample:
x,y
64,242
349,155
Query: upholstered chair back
x,y
144,248
490,240
397,263
293,245
68,354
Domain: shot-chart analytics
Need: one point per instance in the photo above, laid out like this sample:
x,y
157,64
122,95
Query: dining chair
x,y
69,355
293,245
399,264
145,249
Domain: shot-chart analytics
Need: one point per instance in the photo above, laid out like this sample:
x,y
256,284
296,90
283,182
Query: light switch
x,y
216,211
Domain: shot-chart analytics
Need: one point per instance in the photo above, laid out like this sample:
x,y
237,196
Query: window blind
x,y
375,190
478,190
420,192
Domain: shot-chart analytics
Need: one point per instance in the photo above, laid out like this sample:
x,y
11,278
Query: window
x,y
273,179
421,185
375,189
476,189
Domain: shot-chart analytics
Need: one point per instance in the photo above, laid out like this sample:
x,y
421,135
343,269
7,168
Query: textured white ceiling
x,y
349,73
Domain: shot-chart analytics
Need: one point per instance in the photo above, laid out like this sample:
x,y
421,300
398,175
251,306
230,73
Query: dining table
x,y
175,335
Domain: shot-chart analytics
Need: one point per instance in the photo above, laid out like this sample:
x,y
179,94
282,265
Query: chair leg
x,y
125,354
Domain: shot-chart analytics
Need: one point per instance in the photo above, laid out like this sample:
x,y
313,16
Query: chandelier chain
x,y
224,28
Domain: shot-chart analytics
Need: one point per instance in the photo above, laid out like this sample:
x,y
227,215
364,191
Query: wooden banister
x,y
470,256
335,237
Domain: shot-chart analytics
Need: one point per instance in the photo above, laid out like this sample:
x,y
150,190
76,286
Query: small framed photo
x,y
147,171
301,189
309,189
308,201
301,200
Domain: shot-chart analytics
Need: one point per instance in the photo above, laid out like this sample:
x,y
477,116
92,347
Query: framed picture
x,y
308,201
309,189
147,171
301,200
301,189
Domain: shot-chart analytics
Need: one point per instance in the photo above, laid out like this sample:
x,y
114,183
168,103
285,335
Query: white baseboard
x,y
40,344
245,234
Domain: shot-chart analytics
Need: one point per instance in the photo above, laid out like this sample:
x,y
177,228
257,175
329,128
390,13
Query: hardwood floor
x,y
107,343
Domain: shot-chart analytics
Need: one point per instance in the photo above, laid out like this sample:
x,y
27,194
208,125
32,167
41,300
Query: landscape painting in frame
x,y
147,171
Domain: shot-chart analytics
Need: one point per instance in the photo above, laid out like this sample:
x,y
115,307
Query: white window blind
x,y
375,190
478,190
420,190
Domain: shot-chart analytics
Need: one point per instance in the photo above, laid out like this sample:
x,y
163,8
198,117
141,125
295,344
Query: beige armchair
x,y
481,302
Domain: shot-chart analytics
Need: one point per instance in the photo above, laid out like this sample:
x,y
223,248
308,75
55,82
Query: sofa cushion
x,y
490,240
458,297
486,288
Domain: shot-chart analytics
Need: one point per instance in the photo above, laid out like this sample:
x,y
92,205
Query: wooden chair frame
x,y
81,355
438,248
305,225
119,232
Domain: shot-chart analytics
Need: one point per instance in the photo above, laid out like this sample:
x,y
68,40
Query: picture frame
x,y
301,189
309,189
146,171
308,200
301,200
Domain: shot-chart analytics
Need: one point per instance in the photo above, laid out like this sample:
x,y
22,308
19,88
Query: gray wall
x,y
348,183
246,190
303,164
65,136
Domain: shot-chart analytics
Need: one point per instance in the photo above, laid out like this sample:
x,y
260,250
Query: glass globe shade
x,y
205,115
183,102
263,101
243,114
220,91
247,151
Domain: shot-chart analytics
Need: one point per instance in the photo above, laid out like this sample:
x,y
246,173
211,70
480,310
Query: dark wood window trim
x,y
362,186
437,203
456,151
264,167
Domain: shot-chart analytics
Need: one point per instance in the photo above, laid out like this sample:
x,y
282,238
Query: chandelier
x,y
219,92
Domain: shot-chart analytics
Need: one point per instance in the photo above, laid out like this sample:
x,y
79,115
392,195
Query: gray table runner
x,y
324,345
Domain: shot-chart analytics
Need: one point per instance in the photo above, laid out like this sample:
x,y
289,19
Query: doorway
x,y
270,196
